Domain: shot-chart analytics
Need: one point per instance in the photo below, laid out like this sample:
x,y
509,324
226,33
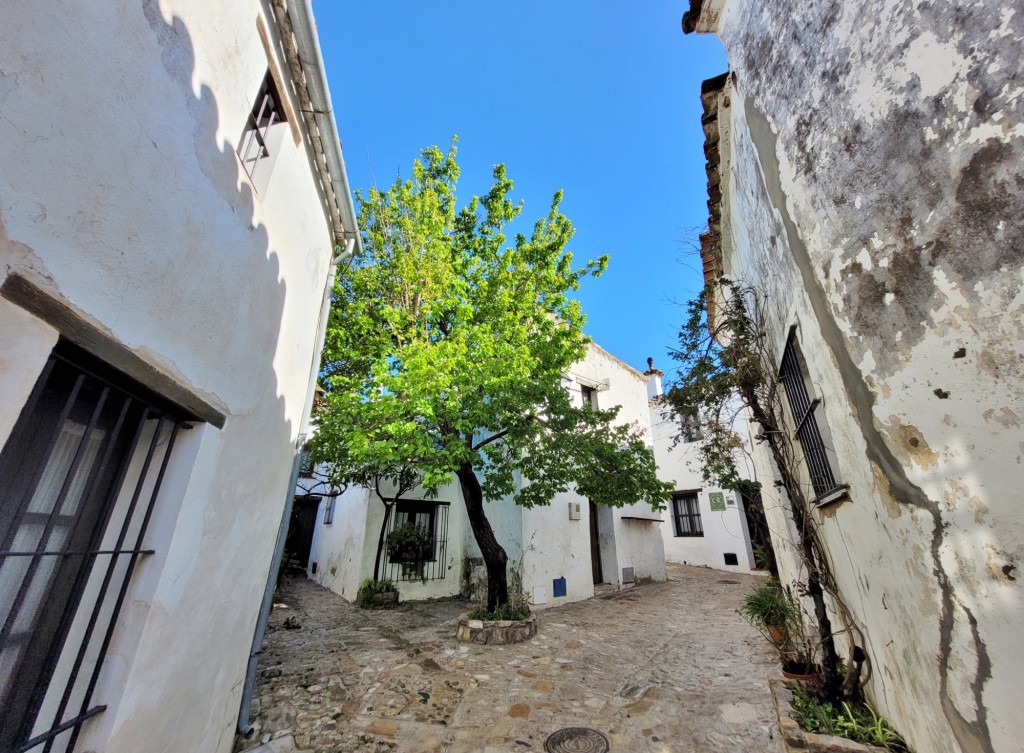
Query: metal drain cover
x,y
730,582
576,740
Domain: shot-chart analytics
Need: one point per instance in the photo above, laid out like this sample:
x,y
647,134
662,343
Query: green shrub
x,y
857,722
371,586
503,612
768,604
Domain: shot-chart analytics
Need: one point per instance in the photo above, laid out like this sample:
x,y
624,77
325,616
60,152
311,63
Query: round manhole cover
x,y
576,740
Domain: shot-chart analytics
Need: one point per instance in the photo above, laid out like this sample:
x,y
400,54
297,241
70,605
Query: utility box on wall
x,y
574,511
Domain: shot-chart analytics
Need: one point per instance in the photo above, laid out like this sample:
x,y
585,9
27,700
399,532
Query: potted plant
x,y
377,594
771,610
777,614
410,543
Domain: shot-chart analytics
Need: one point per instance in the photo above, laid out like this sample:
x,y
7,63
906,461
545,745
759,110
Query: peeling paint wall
x,y
875,192
122,197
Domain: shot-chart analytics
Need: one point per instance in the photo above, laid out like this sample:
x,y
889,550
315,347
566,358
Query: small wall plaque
x,y
717,501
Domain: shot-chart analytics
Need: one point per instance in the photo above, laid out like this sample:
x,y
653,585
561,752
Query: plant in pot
x,y
771,610
377,594
411,546
777,615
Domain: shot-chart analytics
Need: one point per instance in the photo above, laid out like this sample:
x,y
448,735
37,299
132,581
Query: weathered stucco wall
x,y
121,196
875,193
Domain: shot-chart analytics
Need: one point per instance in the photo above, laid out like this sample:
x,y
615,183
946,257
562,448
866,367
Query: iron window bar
x,y
807,432
127,414
265,113
435,568
686,512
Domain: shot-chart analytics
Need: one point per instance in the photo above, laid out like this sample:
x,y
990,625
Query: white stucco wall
x,y
871,193
122,197
338,548
724,530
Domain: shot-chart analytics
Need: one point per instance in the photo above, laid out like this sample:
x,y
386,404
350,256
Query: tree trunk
x,y
380,539
832,681
495,558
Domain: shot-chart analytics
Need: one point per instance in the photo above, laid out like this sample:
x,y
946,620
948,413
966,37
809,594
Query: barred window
x,y
686,514
803,408
689,426
79,478
261,138
433,518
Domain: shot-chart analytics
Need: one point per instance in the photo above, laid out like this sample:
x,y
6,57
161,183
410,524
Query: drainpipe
x,y
245,727
307,55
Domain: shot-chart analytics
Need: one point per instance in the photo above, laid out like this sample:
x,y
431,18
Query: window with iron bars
x,y
803,407
79,478
261,138
433,517
686,514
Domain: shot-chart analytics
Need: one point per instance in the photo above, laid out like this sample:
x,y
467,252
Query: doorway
x,y
595,546
299,543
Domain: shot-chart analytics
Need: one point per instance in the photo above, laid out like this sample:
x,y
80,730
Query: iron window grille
x,y
686,514
306,467
266,113
79,478
433,516
802,407
689,425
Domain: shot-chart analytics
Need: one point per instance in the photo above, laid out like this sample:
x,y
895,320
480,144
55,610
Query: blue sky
x,y
600,98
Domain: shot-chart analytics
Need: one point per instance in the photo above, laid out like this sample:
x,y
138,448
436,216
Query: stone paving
x,y
664,667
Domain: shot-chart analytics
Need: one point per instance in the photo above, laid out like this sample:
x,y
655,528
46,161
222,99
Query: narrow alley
x,y
660,667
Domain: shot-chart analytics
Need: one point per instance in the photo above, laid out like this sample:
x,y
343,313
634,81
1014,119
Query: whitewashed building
x,y
864,171
567,549
172,196
703,525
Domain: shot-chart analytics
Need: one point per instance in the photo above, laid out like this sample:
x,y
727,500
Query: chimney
x,y
653,380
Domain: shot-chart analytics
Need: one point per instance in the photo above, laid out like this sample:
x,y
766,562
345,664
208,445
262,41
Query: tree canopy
x,y
446,349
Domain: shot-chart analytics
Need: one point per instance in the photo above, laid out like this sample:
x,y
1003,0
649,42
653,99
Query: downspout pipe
x,y
245,727
311,59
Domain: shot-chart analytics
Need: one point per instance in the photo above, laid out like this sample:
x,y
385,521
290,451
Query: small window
x,y
589,395
263,134
329,510
803,409
686,514
689,427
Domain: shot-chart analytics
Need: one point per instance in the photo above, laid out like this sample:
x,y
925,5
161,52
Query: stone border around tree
x,y
496,632
796,740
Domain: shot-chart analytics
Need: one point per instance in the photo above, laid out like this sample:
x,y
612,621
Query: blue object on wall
x,y
558,587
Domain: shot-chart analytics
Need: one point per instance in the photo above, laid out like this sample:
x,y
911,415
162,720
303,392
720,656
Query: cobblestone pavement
x,y
664,667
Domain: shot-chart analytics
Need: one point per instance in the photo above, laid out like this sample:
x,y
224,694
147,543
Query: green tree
x,y
446,348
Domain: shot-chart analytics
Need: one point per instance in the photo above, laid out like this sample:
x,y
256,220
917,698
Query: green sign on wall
x,y
717,501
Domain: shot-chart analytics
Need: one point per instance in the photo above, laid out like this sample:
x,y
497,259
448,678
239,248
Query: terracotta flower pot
x,y
812,677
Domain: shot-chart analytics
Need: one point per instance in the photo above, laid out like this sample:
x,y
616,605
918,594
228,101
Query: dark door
x,y
300,531
595,546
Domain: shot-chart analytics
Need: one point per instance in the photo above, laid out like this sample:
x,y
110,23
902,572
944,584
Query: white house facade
x,y
171,199
566,549
704,525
